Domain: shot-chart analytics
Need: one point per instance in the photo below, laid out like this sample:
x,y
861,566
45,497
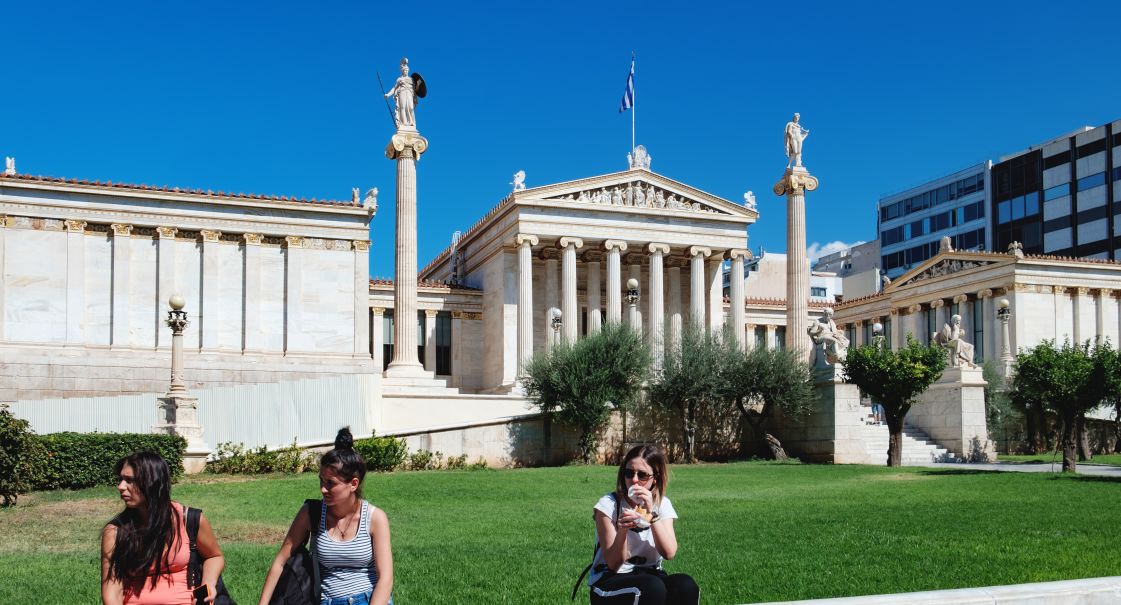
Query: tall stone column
x,y
697,256
1077,296
405,147
918,325
1060,314
749,342
898,328
1104,294
122,261
716,293
770,340
76,282
377,336
634,271
940,319
656,300
674,303
177,411
430,340
571,313
595,314
525,297
794,185
858,337
737,299
552,289
965,310
614,248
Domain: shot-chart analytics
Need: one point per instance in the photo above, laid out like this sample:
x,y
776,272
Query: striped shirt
x,y
346,568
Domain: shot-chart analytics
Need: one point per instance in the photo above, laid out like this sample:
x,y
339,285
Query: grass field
x,y
748,531
1107,459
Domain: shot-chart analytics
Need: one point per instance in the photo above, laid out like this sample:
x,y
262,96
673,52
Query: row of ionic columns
x,y
706,284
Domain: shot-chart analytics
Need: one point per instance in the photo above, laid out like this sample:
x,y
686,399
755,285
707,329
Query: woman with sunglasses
x,y
627,568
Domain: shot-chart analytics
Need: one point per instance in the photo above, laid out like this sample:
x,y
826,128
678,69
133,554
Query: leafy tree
x,y
583,382
762,381
17,452
688,380
1069,381
895,379
1004,419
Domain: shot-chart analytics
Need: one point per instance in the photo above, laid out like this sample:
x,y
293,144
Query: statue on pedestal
x,y
832,342
952,338
795,134
405,92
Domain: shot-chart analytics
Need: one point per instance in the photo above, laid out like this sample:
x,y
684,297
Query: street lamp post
x,y
178,411
1004,314
878,335
556,322
632,297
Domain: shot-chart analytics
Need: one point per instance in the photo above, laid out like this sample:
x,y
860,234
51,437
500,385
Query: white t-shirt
x,y
640,544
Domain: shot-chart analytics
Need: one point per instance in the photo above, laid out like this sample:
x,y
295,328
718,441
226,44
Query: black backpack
x,y
576,587
299,582
194,567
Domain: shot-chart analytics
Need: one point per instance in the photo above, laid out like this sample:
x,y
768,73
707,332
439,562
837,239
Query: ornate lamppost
x,y
1004,314
178,412
555,321
632,297
878,335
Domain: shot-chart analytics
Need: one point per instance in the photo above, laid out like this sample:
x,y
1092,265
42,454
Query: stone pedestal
x,y
179,416
794,183
406,147
834,431
952,413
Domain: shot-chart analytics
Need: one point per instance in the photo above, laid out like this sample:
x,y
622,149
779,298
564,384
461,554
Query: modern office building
x,y
912,223
1059,197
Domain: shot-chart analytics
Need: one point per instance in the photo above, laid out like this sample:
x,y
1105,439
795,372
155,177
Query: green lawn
x,y
1107,459
749,531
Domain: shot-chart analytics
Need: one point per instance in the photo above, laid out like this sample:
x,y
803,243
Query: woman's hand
x,y
627,519
212,591
642,497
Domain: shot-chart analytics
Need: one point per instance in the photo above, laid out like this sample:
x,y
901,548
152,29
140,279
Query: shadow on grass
x,y
1084,478
958,471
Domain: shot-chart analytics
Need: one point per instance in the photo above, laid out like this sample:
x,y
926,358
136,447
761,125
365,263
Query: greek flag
x,y
628,94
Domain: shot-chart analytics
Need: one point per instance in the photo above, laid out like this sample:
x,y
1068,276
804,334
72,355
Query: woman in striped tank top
x,y
351,540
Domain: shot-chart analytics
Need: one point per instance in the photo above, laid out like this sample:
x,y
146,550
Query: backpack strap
x,y
194,566
576,587
314,510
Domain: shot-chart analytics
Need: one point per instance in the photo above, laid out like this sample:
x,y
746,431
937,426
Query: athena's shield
x,y
419,87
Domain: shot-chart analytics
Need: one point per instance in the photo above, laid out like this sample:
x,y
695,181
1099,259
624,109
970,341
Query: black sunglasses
x,y
630,473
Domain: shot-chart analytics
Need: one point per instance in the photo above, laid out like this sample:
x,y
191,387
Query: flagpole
x,y
632,103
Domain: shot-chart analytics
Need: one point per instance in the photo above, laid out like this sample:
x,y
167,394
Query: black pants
x,y
645,587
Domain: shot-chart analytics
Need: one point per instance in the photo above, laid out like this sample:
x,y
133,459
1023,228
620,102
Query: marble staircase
x,y
918,447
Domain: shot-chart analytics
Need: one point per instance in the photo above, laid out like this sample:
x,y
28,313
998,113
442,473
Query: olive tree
x,y
761,382
689,379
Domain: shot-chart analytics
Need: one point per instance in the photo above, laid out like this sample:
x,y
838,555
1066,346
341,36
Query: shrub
x,y
236,459
478,465
382,454
78,460
424,460
17,447
456,463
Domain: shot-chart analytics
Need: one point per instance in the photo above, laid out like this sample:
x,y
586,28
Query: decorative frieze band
x,y
469,315
361,245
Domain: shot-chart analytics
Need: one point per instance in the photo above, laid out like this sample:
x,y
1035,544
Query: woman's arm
x,y
383,556
212,560
665,540
112,592
613,537
298,533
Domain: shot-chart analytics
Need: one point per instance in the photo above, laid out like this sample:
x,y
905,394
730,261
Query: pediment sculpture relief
x,y
636,195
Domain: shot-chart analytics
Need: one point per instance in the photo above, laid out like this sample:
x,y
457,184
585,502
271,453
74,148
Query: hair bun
x,y
344,440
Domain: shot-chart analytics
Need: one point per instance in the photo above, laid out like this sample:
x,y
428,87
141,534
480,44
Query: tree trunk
x,y
1070,445
775,446
1037,431
690,433
547,439
587,446
895,439
1084,452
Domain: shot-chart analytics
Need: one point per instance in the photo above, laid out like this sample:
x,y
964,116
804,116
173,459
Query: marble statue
x,y
1015,249
355,196
749,200
945,244
795,134
639,159
616,197
660,200
952,338
834,344
405,96
10,166
640,197
371,201
885,279
519,181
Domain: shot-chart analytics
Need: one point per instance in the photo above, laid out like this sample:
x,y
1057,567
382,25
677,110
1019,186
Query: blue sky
x,y
282,98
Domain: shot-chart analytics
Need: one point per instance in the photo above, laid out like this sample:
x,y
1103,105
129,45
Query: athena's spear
x,y
392,117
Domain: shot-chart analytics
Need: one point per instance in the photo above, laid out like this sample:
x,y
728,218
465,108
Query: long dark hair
x,y
344,460
653,456
145,545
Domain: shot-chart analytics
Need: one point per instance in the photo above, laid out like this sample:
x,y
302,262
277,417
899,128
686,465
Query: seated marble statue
x,y
833,342
952,337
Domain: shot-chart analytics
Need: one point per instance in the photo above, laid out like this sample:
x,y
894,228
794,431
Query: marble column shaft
x,y
76,284
211,315
405,148
430,340
715,277
552,295
697,255
940,319
656,300
795,182
361,297
569,309
615,248
122,258
253,333
377,334
635,318
525,297
674,273
595,317
737,300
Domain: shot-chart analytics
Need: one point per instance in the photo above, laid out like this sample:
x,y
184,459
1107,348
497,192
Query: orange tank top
x,y
171,589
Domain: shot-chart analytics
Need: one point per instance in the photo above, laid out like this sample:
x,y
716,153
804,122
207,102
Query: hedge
x,y
77,460
382,454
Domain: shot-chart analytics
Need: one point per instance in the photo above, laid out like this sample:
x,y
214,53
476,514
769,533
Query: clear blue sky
x,y
281,97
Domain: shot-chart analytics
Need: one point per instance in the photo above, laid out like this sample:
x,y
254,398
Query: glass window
x,y
1056,192
1018,207
444,343
1004,211
780,338
819,292
1031,204
1091,181
978,330
1117,171
887,331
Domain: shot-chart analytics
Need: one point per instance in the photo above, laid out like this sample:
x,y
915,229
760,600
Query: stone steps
x,y
918,448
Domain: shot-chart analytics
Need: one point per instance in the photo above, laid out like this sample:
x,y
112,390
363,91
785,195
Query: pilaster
x,y
210,315
122,261
293,289
75,282
165,278
361,297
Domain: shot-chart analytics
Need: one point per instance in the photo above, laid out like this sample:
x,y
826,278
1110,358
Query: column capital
x,y
378,311
750,327
737,253
894,311
593,255
75,226
937,303
361,245
166,232
914,309
406,145
700,250
252,239
525,239
960,298
121,230
676,262
209,235
613,244
656,248
1082,290
1105,292
858,322
575,242
430,313
1059,289
986,293
294,241
549,253
795,181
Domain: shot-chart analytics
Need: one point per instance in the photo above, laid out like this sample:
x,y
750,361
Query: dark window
x,y
1056,192
1093,247
978,330
1117,174
1091,181
1093,214
444,343
1116,139
917,228
1056,160
387,339
1091,148
1056,223
1031,235
780,338
974,211
818,292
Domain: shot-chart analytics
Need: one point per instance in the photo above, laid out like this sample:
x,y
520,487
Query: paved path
x,y
1098,470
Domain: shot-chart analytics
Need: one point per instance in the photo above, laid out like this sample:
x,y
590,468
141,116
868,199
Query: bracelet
x,y
654,518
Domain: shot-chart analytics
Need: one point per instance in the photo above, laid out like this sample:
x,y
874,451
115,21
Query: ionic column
x,y
674,302
430,340
525,297
405,148
614,248
749,337
918,325
252,335
552,292
737,302
656,300
1079,294
1099,319
76,283
898,329
378,335
770,342
361,297
794,184
293,294
634,271
571,314
210,313
965,310
858,336
122,259
939,306
697,256
987,325
715,277
595,317
1060,316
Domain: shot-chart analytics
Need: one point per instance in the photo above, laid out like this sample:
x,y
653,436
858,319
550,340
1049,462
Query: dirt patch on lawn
x,y
899,477
253,533
55,527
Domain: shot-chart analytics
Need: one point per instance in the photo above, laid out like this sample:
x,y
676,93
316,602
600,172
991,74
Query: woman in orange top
x,y
145,548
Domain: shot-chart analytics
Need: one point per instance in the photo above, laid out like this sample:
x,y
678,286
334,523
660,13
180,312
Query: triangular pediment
x,y
635,189
948,263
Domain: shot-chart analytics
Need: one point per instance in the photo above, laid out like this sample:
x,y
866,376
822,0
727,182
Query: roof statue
x,y
795,134
1016,249
371,201
945,244
9,166
639,159
749,200
355,195
519,181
